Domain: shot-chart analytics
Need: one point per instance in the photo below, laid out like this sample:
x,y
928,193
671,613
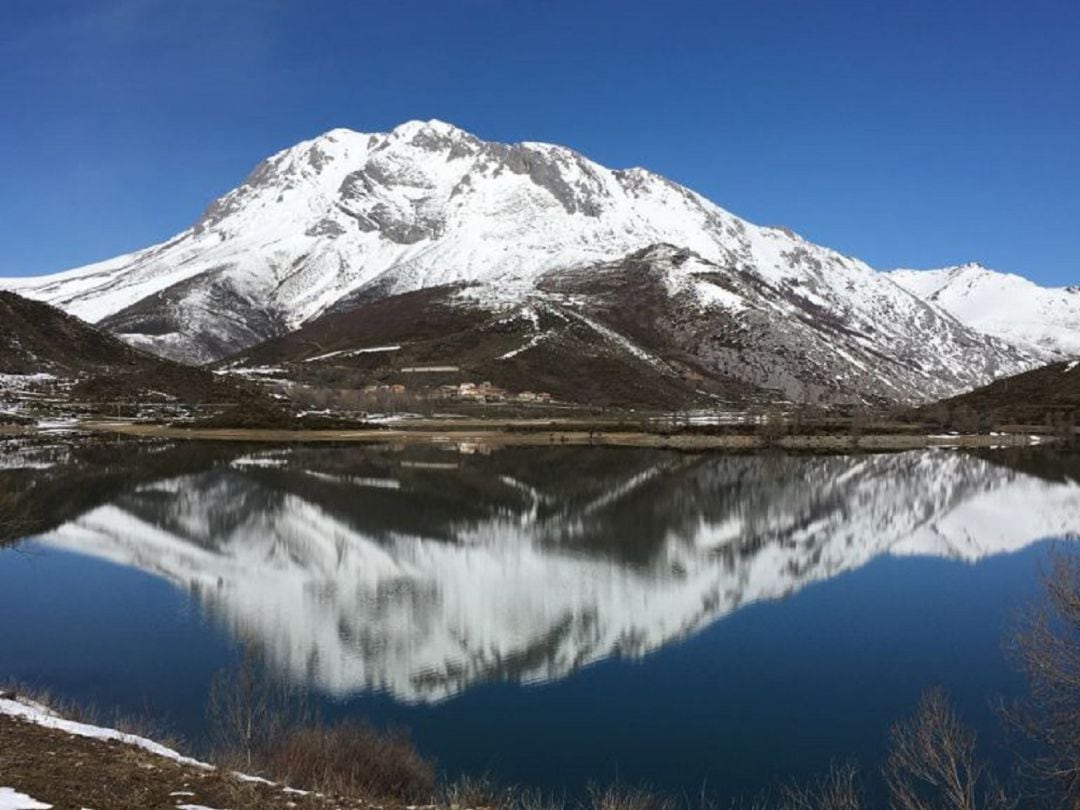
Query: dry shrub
x,y
1047,648
351,759
263,726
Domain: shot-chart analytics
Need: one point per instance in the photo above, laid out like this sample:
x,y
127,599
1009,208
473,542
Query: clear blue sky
x,y
906,132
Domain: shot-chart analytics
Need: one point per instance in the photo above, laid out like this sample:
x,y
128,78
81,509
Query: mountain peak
x,y
972,267
410,129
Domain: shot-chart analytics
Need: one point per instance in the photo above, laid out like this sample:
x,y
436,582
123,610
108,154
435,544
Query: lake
x,y
549,616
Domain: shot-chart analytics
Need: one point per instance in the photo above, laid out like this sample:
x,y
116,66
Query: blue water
x,y
747,693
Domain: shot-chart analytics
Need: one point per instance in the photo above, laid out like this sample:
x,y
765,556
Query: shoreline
x,y
509,434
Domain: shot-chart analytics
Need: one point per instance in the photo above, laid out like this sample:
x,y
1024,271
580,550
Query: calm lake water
x,y
549,616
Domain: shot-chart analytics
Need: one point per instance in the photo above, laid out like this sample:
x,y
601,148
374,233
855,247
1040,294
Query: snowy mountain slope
x,y
511,572
782,336
1044,320
658,328
350,216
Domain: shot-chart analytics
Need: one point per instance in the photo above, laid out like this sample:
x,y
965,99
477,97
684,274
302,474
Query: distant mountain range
x,y
1044,320
560,270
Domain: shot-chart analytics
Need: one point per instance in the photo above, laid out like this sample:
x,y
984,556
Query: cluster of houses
x,y
486,392
468,391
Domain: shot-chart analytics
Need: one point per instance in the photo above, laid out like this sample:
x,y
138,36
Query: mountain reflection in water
x,y
421,571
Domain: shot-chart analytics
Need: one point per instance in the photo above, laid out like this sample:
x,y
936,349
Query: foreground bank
x,y
47,761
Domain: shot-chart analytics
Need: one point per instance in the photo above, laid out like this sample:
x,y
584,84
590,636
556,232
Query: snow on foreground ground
x,y
47,761
11,799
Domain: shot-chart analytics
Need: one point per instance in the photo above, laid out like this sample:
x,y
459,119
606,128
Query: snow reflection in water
x,y
420,573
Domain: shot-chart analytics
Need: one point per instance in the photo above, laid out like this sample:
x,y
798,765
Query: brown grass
x,y
351,759
262,726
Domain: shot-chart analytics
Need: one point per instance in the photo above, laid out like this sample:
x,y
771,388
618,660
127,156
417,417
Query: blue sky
x,y
916,133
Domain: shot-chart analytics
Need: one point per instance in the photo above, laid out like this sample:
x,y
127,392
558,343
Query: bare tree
x,y
1047,647
773,426
247,710
932,762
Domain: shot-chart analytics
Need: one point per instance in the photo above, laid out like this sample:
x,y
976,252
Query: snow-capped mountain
x,y
1045,320
348,217
422,576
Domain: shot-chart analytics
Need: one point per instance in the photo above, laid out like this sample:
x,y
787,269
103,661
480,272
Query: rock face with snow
x,y
663,327
1043,320
790,334
350,217
422,573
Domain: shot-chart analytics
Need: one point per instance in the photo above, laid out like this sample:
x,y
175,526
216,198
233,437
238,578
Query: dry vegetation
x,y
1047,648
352,759
260,725
933,762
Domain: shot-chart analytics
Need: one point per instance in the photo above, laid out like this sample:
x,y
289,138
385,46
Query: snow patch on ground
x,y
620,340
11,799
352,352
58,425
531,343
42,716
253,371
